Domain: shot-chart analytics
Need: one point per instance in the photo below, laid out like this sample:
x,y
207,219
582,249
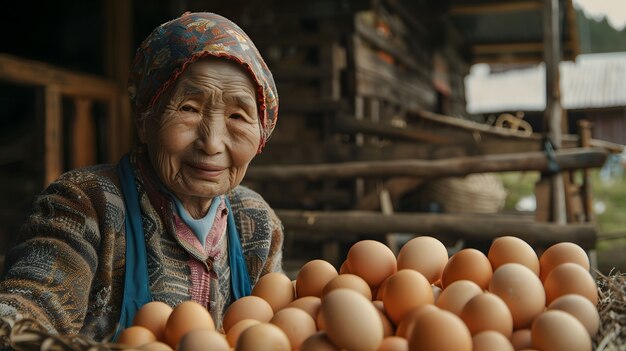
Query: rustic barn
x,y
372,107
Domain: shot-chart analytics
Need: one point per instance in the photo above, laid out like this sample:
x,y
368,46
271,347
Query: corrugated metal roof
x,y
593,81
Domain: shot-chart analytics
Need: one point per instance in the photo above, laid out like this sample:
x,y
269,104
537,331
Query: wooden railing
x,y
83,90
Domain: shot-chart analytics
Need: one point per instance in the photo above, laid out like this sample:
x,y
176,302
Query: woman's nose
x,y
212,136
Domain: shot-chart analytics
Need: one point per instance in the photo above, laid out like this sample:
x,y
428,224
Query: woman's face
x,y
202,143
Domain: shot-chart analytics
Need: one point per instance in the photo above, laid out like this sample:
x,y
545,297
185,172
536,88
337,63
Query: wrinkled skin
x,y
203,139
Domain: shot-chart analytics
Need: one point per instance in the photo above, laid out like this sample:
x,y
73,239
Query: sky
x,y
614,10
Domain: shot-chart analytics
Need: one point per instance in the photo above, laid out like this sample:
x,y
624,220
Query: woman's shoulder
x,y
96,175
97,180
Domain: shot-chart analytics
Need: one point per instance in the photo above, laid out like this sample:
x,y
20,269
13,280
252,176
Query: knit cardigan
x,y
67,269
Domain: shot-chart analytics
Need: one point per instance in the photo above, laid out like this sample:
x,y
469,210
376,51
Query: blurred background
x,y
398,118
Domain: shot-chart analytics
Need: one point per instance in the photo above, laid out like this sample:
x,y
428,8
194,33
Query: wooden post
x,y
118,56
53,134
553,112
84,138
585,141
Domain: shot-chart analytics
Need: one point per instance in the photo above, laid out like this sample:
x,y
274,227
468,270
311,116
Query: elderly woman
x,y
170,222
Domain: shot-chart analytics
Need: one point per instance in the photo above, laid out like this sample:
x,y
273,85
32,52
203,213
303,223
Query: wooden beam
x,y
460,226
369,34
353,125
310,105
395,187
522,161
28,72
511,48
494,8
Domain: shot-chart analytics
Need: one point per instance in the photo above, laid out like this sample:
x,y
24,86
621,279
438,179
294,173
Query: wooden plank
x,y
353,125
511,48
494,8
395,187
403,90
292,104
28,72
83,139
460,226
369,34
302,72
53,134
522,161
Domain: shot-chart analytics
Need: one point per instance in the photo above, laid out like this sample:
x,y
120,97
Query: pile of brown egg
x,y
509,299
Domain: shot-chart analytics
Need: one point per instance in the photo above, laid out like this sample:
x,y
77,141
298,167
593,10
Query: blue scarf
x,y
136,281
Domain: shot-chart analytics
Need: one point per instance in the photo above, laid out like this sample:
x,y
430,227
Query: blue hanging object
x,y
136,284
239,278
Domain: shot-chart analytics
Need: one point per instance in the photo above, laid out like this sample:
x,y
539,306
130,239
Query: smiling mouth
x,y
206,171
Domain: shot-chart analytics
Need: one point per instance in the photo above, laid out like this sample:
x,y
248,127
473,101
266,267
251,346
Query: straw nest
x,y
29,335
612,308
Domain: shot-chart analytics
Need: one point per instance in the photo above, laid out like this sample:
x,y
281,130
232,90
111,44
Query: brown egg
x,y
263,337
309,304
440,330
318,342
487,312
275,288
454,297
380,290
387,326
135,336
394,343
344,269
153,316
490,340
155,346
424,254
405,326
570,278
520,339
203,339
349,281
467,264
247,307
581,308
319,320
297,325
352,322
371,260
560,253
404,291
556,330
235,331
509,249
313,276
186,317
521,290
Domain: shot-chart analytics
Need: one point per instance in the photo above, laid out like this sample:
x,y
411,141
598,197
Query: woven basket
x,y
475,193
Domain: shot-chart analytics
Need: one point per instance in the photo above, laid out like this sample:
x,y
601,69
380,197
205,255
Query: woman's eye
x,y
188,108
236,116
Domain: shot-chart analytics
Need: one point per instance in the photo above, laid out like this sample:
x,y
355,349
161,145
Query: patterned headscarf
x,y
172,46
